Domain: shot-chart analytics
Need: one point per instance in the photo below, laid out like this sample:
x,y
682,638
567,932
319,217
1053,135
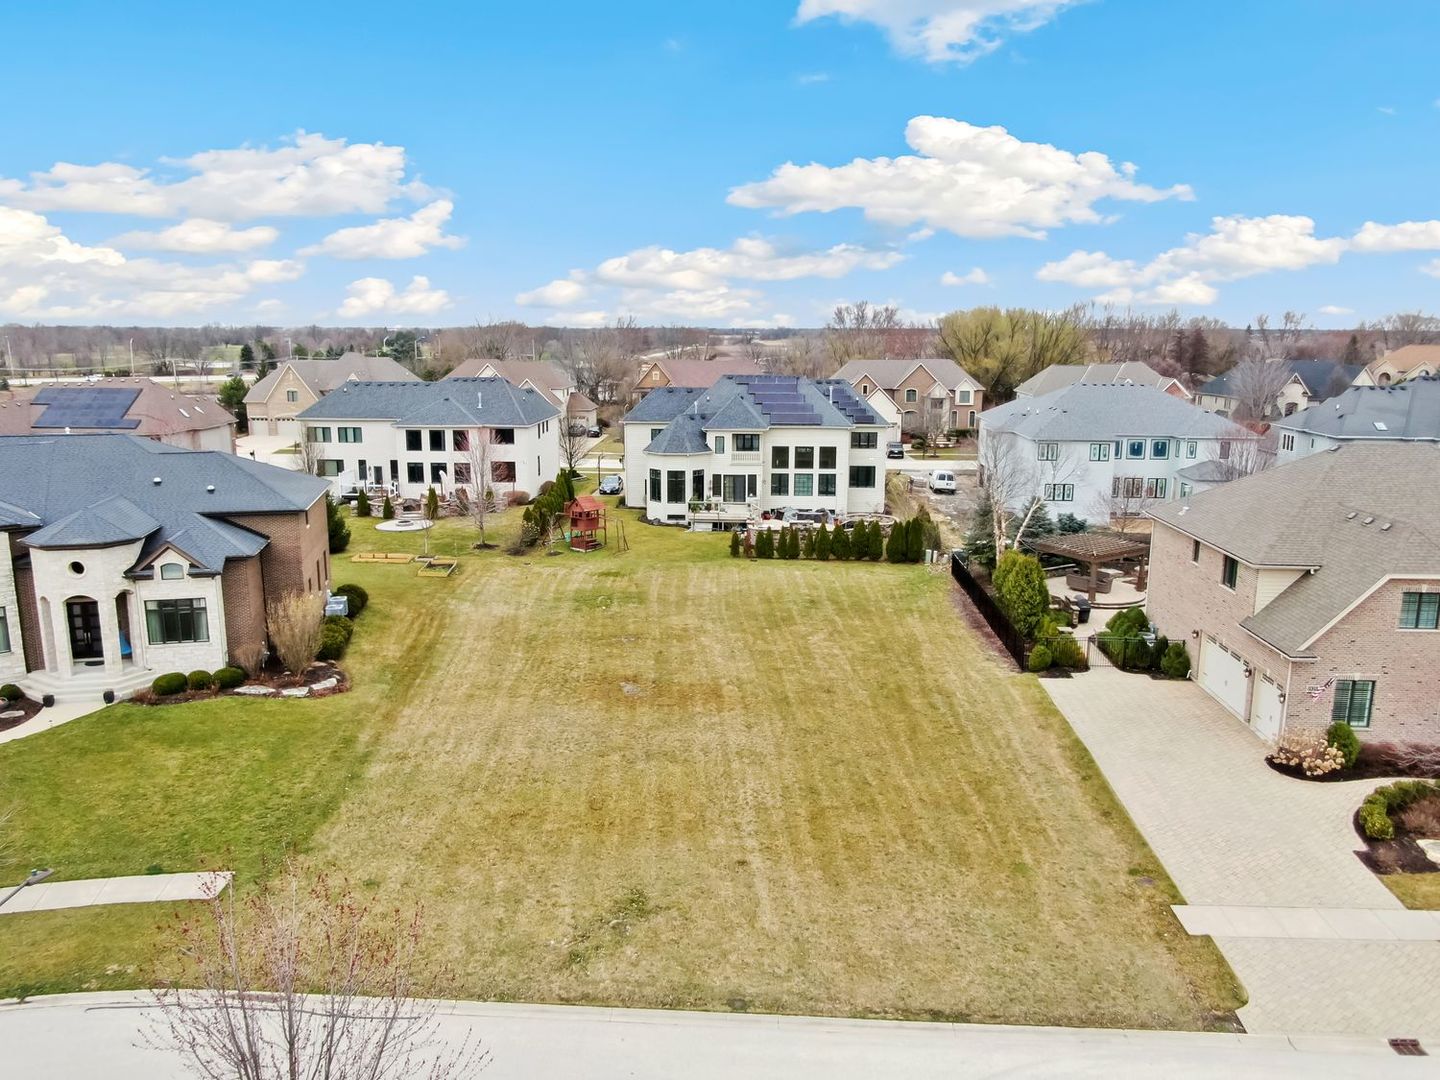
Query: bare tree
x,y
801,355
295,622
307,453
1124,508
1265,341
297,985
863,330
1255,385
479,454
1243,457
1404,328
572,443
1016,484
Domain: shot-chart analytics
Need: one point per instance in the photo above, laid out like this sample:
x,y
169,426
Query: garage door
x,y
1222,675
1266,711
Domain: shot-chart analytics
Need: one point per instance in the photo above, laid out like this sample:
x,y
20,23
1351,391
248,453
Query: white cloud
x,y
940,31
976,276
811,78
309,175
200,236
1432,268
1236,247
1388,110
1335,309
558,293
372,295
583,319
392,238
973,181
749,257
46,275
1403,236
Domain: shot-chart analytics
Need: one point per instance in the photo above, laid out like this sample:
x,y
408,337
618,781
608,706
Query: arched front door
x,y
83,618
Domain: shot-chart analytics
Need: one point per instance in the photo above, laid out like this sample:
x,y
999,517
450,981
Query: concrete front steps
x,y
87,687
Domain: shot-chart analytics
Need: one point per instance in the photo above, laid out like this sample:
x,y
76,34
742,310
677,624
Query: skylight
x,y
1380,426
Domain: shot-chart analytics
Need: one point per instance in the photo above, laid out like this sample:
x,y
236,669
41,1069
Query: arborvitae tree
x,y
339,531
247,357
822,543
432,503
807,544
895,547
980,540
840,544
734,545
362,504
914,540
875,543
860,540
794,542
765,545
387,509
1353,354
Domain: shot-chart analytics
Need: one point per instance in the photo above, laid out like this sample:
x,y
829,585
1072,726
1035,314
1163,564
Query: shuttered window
x,y
1354,698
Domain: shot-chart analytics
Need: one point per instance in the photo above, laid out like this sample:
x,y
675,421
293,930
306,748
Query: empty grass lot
x,y
661,778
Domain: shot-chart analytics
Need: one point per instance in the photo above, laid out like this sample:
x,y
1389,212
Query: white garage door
x,y
1222,675
1267,710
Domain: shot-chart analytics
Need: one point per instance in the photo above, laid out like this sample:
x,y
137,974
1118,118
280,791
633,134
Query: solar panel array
x,y
86,407
781,400
855,410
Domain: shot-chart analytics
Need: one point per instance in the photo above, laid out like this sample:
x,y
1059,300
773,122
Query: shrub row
x,y
335,637
1380,804
908,542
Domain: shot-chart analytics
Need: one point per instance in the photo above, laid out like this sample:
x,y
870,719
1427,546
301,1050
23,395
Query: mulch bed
x,y
272,676
1361,770
1399,856
24,705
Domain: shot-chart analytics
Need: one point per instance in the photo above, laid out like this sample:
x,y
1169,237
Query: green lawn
x,y
657,778
1420,891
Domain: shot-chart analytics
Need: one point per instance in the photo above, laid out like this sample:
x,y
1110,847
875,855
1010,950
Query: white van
x,y
942,482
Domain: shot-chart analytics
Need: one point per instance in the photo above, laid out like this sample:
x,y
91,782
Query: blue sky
x,y
437,164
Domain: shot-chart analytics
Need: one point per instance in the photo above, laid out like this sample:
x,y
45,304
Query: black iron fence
x,y
990,611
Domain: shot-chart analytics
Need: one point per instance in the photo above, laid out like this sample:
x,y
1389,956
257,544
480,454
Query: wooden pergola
x,y
1096,549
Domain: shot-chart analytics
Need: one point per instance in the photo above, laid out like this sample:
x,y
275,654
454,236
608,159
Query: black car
x,y
611,485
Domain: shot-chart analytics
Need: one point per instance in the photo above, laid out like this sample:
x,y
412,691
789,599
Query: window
x,y
437,472
675,486
827,457
317,434
719,444
864,440
865,388
503,472
1229,572
4,631
415,472
1190,448
862,476
1135,448
1287,442
504,436
747,444
292,396
1420,611
655,433
1195,551
779,483
437,441
1117,449
1184,489
329,467
1159,448
170,622
1047,451
654,485
462,472
962,397
779,457
827,483
1099,451
1225,450
460,441
1354,698
412,440
697,485
1059,493
349,434
804,483
1155,488
911,395
804,457
1128,487
171,571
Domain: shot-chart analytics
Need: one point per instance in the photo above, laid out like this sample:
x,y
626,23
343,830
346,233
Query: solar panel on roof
x,y
86,407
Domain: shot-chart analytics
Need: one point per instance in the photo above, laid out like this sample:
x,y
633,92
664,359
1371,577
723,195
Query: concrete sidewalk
x,y
137,889
62,712
101,1035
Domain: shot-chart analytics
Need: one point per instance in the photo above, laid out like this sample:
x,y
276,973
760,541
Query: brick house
x,y
137,406
658,372
125,558
1311,592
932,394
274,402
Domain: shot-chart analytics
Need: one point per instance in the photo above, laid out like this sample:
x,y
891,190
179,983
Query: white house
x,y
753,443
1406,411
1098,450
402,438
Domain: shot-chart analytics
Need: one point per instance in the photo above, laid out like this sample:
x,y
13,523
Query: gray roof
x,y
323,376
1058,376
662,405
466,403
888,374
1406,410
100,490
1321,378
1099,411
1210,471
1355,515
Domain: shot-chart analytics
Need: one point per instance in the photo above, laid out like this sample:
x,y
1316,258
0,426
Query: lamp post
x,y
33,878
132,357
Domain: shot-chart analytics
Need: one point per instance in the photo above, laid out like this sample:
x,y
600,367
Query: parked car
x,y
593,431
894,449
942,482
611,485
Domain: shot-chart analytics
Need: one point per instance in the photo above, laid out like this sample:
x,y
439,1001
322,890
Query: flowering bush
x,y
1309,752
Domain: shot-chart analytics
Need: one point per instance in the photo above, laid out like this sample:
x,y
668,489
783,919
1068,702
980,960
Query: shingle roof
x,y
703,374
663,404
1211,471
1320,378
323,376
1108,411
448,403
143,406
888,374
1356,515
1407,357
541,372
1058,376
1405,410
95,490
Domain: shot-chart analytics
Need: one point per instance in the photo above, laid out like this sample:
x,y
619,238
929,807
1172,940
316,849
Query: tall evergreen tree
x,y
1353,354
734,544
339,531
915,540
432,503
840,544
895,546
822,543
247,357
362,504
807,544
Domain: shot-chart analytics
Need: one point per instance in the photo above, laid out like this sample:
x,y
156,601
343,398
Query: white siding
x,y
1271,583
12,663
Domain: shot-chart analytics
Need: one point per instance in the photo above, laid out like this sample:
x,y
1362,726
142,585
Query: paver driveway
x,y
1232,831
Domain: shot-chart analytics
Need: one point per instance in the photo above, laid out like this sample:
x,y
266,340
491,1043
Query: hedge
x,y
199,680
11,692
227,678
172,682
335,637
357,596
1375,811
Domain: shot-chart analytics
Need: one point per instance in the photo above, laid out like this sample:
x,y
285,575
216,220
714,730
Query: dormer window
x,y
912,395
172,571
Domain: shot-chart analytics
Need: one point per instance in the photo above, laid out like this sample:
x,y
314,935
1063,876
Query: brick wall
x,y
298,543
243,589
29,620
1368,644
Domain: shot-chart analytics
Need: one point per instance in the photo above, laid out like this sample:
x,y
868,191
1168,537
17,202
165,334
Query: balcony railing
x,y
745,457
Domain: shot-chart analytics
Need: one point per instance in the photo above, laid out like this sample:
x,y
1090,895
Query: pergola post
x,y
1094,574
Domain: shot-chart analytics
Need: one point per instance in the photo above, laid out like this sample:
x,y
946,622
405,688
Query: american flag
x,y
1317,692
